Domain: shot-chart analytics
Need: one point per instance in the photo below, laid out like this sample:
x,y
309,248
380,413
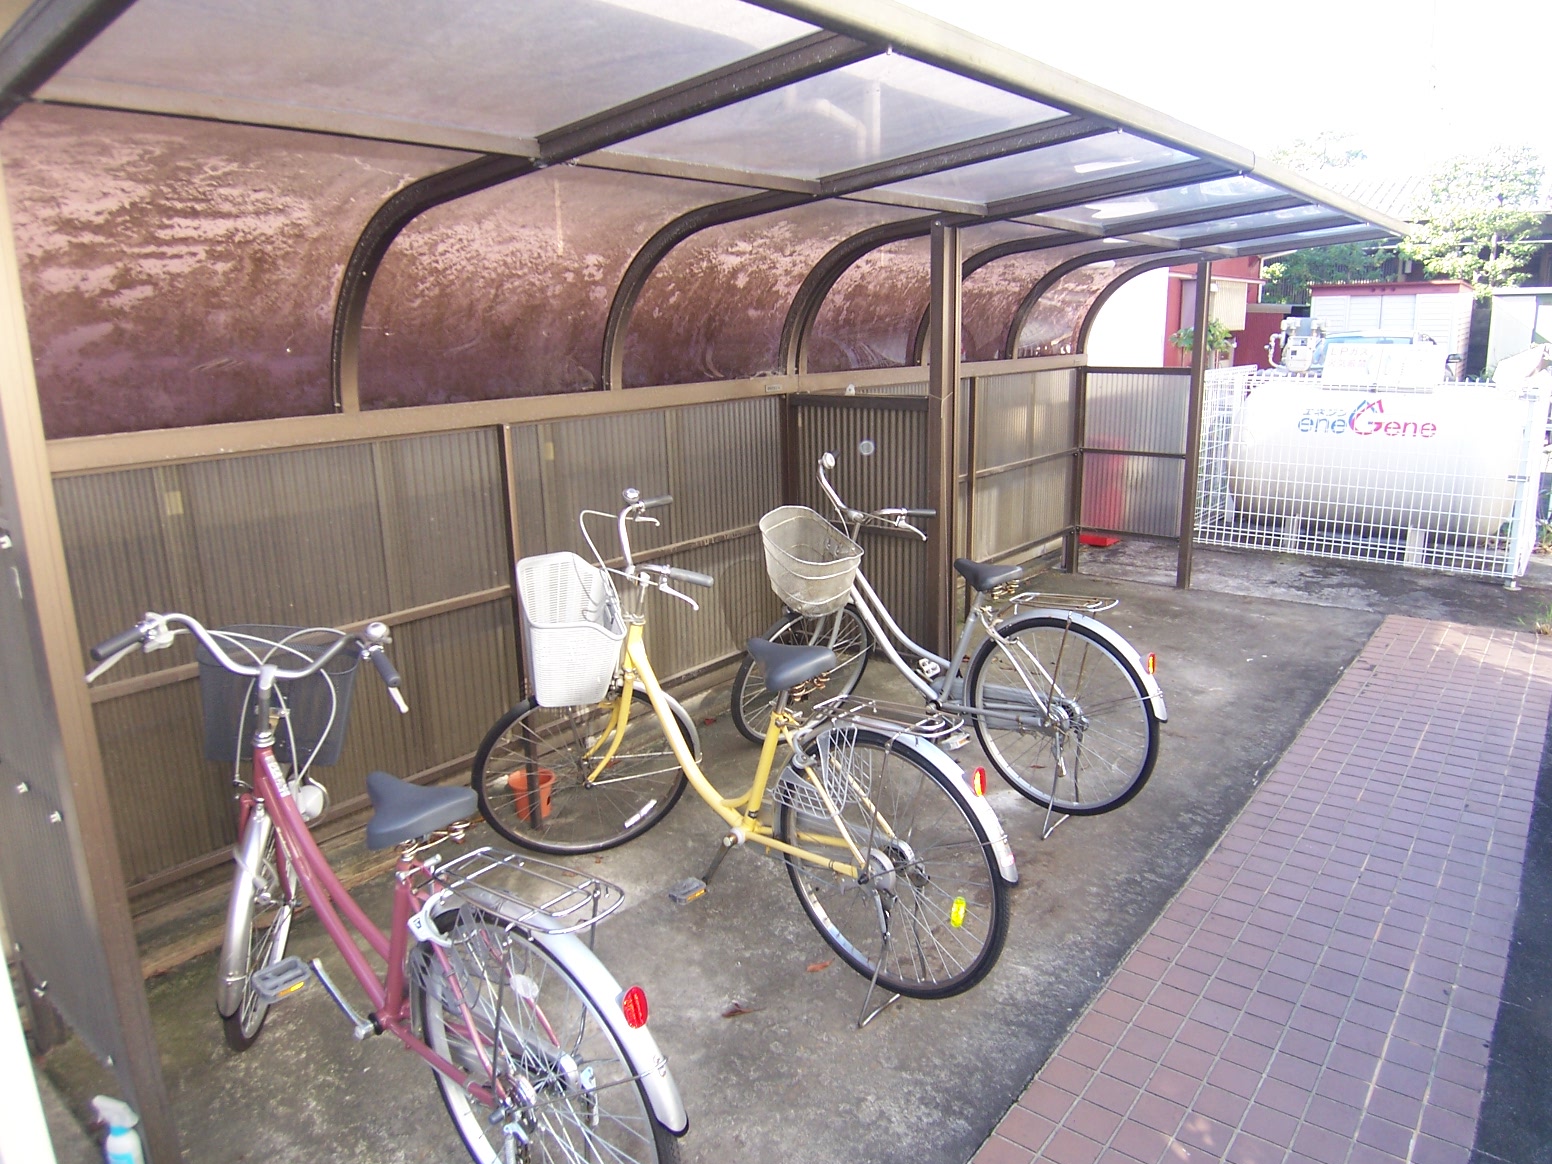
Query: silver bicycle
x,y
1065,708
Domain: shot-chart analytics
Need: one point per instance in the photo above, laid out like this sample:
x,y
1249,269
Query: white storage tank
x,y
1446,460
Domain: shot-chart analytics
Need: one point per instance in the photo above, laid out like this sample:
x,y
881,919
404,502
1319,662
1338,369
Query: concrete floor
x,y
1244,658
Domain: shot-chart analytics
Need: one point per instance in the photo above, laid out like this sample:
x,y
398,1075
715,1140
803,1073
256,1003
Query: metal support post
x,y
1193,462
943,366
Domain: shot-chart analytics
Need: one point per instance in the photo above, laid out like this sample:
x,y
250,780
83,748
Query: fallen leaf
x,y
709,720
739,1008
816,967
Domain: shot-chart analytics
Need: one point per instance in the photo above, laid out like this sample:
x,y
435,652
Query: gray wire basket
x,y
811,563
845,773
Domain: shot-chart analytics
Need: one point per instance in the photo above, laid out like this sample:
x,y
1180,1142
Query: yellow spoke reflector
x,y
956,913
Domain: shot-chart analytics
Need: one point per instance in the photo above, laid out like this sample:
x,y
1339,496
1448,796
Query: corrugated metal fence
x,y
417,532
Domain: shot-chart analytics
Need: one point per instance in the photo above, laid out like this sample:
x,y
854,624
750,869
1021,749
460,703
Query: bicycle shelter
x,y
329,317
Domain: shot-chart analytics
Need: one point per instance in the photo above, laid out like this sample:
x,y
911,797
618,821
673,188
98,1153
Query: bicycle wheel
x,y
843,632
531,774
1063,716
547,1077
249,947
930,912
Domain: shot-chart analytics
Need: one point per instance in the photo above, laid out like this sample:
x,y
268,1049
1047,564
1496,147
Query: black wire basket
x,y
314,711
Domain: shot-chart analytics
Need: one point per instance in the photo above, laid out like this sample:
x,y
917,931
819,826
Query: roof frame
x,y
43,39
760,73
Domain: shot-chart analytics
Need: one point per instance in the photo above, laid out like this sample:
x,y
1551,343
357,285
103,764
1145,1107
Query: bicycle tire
x,y
242,952
642,783
583,1099
843,632
1096,749
935,907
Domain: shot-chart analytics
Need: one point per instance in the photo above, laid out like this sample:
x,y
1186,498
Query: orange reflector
x,y
978,782
634,1003
956,913
1153,663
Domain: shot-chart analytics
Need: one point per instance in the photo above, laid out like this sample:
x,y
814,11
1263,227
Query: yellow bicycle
x,y
898,861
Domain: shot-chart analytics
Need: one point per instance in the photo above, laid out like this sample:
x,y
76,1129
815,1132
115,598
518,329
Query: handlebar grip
x,y
656,502
384,666
690,576
921,513
117,643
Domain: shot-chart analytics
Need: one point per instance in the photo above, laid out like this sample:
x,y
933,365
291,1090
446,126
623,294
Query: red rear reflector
x,y
634,1003
978,781
1153,664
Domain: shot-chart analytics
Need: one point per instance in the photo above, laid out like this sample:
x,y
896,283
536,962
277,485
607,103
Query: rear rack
x,y
1042,600
525,891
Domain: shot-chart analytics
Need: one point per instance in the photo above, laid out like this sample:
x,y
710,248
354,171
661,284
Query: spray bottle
x,y
123,1143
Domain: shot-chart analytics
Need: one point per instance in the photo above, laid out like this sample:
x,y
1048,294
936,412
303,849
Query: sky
x,y
1414,83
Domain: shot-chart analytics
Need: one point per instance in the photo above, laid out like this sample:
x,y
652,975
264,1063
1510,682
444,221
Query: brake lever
x,y
667,589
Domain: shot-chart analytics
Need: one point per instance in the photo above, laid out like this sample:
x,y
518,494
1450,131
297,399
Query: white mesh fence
x,y
1442,476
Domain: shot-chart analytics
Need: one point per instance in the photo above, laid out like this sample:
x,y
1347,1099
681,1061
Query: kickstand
x,y
1049,826
865,1016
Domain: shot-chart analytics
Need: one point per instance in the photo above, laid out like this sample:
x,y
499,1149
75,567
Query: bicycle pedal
x,y
687,890
956,741
283,978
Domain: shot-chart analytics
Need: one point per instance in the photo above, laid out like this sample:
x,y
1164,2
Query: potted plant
x,y
1220,341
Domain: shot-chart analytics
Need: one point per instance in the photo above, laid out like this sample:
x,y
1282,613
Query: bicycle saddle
x,y
985,576
787,666
403,811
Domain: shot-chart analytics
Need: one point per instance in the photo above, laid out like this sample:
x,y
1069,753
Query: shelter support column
x,y
943,371
66,905
1193,462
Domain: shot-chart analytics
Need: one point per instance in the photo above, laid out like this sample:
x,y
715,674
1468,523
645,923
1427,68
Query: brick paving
x,y
1324,987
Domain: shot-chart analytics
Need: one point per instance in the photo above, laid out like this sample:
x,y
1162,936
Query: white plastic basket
x,y
572,625
811,563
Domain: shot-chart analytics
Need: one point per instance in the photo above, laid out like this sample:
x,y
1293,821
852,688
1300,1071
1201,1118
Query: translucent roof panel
x,y
975,239
1277,220
506,292
884,107
1052,327
1067,164
1292,242
714,308
1113,213
182,272
477,67
992,294
869,318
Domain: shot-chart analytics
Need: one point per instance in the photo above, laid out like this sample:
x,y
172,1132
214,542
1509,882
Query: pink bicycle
x,y
538,1053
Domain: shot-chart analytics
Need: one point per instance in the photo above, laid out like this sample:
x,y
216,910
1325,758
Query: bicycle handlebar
x,y
893,517
154,633
122,641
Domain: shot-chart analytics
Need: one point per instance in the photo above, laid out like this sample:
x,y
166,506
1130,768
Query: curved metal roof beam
x,y
41,40
1168,260
776,68
1052,277
1054,131
810,297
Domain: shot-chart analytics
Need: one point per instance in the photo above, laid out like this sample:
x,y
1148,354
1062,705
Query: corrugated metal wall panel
x,y
1022,416
440,493
894,474
1021,506
1132,494
1139,412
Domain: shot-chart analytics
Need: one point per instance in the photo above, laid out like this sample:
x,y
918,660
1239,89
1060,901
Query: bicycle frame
x,y
298,855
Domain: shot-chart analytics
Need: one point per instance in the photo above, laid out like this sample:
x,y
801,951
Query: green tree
x,y
1481,221
1288,277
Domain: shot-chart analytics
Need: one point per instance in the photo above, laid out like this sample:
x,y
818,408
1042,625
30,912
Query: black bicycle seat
x,y
985,576
787,666
403,811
